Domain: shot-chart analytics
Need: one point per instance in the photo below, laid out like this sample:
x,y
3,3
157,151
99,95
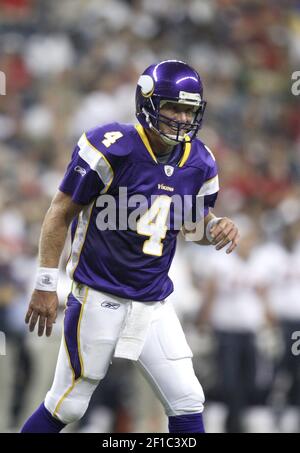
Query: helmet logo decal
x,y
147,85
169,170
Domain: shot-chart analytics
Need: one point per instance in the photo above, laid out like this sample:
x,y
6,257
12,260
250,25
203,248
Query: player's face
x,y
179,112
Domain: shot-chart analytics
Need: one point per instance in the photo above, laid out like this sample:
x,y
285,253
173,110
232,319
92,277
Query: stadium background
x,y
72,64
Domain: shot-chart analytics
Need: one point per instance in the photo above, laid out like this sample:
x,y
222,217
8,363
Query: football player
x,y
118,305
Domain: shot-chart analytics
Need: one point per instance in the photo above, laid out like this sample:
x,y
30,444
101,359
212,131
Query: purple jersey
x,y
125,247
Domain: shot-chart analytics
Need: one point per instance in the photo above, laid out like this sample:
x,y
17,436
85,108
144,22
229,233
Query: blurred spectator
x,y
12,291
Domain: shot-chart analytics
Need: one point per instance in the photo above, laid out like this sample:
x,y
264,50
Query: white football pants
x,y
92,327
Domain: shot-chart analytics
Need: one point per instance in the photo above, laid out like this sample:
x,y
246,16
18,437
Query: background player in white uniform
x,y
281,260
237,306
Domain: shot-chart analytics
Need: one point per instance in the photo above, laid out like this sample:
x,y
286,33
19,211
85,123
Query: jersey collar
x,y
144,138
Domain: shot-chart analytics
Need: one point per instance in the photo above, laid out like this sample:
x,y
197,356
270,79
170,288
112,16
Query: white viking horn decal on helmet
x,y
147,85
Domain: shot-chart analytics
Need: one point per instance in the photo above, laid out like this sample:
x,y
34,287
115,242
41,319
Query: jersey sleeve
x,y
89,172
210,188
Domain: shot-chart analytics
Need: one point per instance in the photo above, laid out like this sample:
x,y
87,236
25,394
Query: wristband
x,y
210,224
46,279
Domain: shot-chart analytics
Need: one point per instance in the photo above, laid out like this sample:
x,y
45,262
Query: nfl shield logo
x,y
169,170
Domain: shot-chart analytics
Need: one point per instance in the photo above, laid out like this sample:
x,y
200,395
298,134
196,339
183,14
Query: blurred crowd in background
x,y
73,64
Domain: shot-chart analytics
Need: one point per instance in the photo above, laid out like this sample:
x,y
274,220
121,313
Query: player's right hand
x,y
42,309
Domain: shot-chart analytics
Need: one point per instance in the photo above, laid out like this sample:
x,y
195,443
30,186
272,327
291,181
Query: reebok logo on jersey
x,y
167,188
80,170
111,305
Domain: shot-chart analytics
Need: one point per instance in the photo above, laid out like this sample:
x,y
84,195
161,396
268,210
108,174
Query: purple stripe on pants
x,y
71,320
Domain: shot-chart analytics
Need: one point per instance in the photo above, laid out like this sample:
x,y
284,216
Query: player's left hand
x,y
225,232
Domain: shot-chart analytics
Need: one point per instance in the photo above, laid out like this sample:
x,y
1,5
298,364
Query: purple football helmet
x,y
170,81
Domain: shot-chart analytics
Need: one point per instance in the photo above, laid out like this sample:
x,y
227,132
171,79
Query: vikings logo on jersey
x,y
169,170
